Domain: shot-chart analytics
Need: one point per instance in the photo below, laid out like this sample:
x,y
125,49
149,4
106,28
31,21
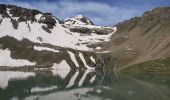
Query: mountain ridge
x,y
78,43
40,40
144,38
34,22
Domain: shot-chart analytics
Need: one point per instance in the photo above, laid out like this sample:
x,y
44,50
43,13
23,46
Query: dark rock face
x,y
49,20
81,30
14,23
85,20
103,31
2,8
25,15
46,29
84,30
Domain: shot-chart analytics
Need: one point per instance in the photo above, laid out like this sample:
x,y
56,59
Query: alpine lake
x,y
83,85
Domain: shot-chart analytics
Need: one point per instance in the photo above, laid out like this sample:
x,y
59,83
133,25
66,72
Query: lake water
x,y
82,85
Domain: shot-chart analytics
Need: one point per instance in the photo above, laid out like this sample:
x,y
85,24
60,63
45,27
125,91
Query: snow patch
x,y
38,69
45,48
62,65
42,18
39,89
73,58
104,52
92,59
98,91
62,69
62,73
59,36
93,79
38,16
98,48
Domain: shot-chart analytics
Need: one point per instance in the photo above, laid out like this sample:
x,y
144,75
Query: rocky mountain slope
x,y
142,38
34,39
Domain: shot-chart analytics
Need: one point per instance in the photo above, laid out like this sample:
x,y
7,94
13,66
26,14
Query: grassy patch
x,y
154,66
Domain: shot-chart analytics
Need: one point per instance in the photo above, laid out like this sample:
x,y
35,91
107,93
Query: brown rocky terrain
x,y
142,38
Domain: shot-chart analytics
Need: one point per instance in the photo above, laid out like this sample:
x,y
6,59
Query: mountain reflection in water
x,y
82,85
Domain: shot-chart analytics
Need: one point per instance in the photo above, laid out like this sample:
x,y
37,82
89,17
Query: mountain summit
x,y
78,20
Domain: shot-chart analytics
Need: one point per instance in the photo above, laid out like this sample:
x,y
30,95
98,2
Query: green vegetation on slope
x,y
154,66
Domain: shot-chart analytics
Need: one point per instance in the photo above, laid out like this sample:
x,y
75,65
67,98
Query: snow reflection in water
x,y
84,85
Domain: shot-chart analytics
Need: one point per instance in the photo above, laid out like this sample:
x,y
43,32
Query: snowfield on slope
x,y
38,48
76,20
59,36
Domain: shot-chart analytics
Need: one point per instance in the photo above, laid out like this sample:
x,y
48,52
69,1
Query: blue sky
x,y
101,12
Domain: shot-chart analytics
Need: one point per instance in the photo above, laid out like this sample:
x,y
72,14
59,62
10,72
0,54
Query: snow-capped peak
x,y
76,32
78,20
